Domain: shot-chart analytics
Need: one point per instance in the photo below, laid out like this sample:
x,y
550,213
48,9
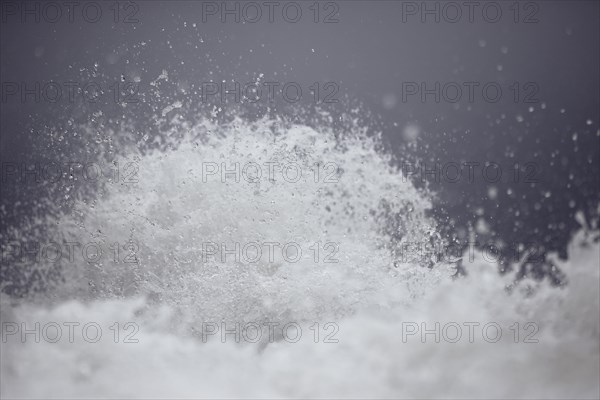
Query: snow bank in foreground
x,y
370,325
372,358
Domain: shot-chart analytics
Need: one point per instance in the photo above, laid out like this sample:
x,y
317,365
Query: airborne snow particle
x,y
411,132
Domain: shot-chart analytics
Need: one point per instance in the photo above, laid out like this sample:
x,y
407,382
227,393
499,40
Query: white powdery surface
x,y
171,292
370,360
